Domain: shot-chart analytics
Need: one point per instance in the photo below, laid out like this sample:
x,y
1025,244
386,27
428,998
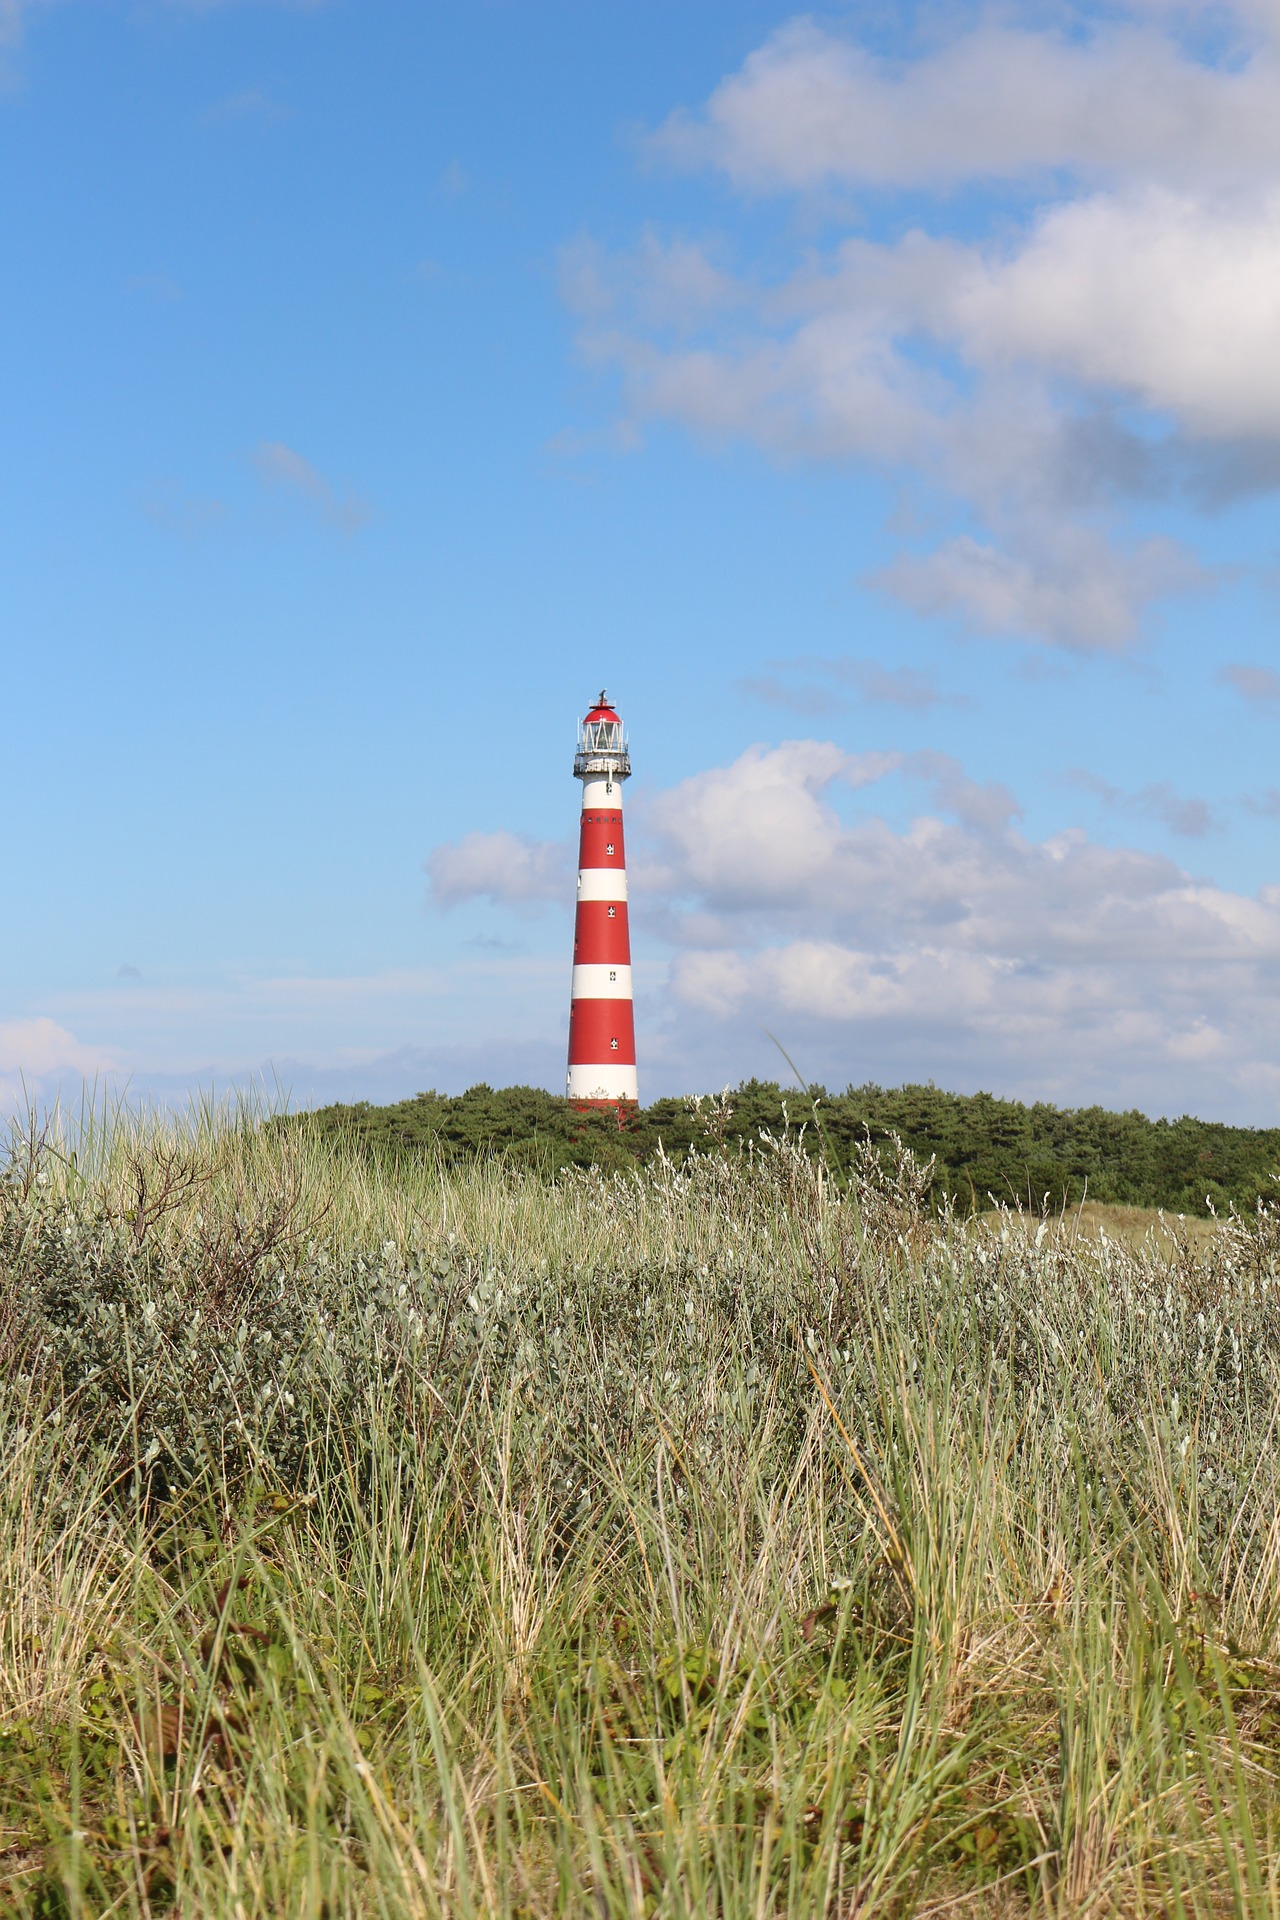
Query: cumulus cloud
x,y
1170,298
959,941
39,1046
1113,344
36,1054
811,107
508,869
279,466
757,833
828,367
1075,588
762,835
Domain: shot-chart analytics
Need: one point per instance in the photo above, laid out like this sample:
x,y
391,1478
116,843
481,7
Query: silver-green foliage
x,y
705,1539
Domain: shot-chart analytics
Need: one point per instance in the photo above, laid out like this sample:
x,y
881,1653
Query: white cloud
x,y
944,943
987,806
811,107
39,1046
828,366
1187,815
761,837
809,370
507,868
36,1054
959,945
1066,584
950,945
1172,299
1117,343
757,832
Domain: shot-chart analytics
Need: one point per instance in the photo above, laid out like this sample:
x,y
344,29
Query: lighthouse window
x,y
609,848
613,913
613,1045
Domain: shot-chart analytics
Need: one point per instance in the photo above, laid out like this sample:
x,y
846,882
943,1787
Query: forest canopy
x,y
984,1148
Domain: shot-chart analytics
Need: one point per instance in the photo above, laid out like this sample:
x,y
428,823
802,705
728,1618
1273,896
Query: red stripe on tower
x,y
602,1038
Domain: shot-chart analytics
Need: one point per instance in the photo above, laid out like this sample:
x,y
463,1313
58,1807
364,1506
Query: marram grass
x,y
712,1540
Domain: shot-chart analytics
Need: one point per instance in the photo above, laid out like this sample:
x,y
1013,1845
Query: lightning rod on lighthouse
x,y
602,1039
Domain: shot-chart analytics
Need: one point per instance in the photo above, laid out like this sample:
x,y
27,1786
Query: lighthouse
x,y
602,1036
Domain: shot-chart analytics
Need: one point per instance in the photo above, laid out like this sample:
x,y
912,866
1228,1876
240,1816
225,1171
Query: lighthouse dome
x,y
602,744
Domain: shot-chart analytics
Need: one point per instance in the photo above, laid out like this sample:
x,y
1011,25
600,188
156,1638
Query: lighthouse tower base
x,y
603,1086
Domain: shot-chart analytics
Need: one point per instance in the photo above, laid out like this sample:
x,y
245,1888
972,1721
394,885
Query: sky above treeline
x,y
883,403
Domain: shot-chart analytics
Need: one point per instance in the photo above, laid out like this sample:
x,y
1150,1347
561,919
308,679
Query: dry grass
x,y
1144,1229
704,1542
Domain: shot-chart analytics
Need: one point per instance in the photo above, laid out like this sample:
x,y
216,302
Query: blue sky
x,y
886,406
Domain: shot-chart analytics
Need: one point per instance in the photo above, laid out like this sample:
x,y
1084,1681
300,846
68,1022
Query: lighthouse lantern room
x,y
602,1042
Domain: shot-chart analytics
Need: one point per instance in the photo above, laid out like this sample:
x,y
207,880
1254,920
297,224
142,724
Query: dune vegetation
x,y
717,1536
981,1149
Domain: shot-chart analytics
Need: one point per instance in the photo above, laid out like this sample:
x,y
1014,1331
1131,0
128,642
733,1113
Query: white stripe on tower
x,y
603,883
602,1043
601,983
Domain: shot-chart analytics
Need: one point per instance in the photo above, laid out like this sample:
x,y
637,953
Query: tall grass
x,y
713,1540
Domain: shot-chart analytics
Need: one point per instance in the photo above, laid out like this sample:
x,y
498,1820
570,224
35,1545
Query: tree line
x,y
984,1148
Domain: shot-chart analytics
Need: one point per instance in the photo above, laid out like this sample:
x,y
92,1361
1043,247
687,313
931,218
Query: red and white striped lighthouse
x,y
602,1035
